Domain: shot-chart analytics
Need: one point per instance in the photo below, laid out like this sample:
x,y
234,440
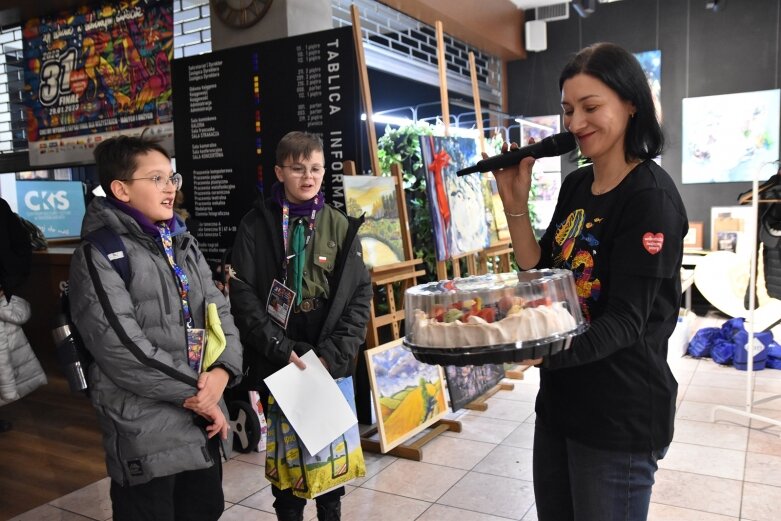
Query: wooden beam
x,y
442,66
493,26
366,94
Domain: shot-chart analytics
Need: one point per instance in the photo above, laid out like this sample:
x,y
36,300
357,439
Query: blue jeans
x,y
573,482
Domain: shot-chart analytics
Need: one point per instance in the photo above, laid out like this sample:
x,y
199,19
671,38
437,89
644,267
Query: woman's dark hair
x,y
619,70
116,158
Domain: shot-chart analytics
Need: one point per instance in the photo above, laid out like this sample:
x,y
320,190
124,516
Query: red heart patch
x,y
652,242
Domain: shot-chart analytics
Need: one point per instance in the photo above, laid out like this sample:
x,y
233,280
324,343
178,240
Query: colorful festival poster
x,y
95,72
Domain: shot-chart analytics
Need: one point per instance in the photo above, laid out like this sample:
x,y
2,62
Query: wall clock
x,y
240,13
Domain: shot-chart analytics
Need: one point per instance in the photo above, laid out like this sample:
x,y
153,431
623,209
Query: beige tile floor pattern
x,y
722,471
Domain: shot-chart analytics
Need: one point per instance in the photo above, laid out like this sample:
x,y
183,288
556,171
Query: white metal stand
x,y
747,412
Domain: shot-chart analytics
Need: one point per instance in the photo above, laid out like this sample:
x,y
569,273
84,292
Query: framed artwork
x,y
732,229
408,395
651,63
494,210
454,201
466,384
694,239
380,235
538,128
729,137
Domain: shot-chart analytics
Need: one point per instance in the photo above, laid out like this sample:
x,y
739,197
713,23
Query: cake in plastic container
x,y
533,310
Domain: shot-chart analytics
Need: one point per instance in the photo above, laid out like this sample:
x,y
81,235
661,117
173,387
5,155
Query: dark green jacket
x,y
257,260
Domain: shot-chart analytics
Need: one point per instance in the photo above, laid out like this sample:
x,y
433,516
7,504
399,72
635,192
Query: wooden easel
x,y
414,450
499,255
402,274
480,404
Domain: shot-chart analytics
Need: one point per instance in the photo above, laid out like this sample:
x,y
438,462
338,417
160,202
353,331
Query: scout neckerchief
x,y
299,246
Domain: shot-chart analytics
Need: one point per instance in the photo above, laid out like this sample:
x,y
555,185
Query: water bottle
x,y
70,357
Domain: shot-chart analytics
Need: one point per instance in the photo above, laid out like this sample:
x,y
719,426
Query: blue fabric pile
x,y
727,345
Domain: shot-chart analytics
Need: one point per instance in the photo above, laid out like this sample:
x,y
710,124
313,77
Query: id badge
x,y
280,303
196,342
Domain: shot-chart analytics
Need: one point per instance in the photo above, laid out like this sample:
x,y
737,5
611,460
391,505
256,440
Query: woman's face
x,y
596,115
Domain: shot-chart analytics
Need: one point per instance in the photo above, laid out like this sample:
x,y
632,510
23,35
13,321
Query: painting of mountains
x,y
408,395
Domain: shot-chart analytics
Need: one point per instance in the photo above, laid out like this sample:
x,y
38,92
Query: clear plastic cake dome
x,y
506,317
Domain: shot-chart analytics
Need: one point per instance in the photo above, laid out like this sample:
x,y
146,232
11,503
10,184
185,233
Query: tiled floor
x,y
722,471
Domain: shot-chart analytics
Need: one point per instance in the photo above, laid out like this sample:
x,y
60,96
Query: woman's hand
x,y
211,385
514,182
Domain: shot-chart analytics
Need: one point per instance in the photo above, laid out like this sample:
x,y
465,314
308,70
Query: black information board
x,y
233,106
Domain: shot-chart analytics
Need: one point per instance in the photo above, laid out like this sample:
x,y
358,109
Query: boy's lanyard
x,y
181,276
286,232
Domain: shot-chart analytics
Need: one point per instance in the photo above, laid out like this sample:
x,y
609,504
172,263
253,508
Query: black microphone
x,y
551,146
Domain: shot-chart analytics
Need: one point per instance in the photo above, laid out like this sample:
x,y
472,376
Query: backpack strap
x,y
111,246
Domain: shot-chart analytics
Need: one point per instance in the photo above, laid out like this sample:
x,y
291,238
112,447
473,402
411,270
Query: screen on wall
x,y
233,107
56,207
94,72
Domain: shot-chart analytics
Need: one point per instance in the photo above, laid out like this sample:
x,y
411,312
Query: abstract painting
x,y
651,63
456,204
729,137
466,384
380,234
546,173
494,210
408,395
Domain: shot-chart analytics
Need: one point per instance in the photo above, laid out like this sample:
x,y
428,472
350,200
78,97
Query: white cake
x,y
492,310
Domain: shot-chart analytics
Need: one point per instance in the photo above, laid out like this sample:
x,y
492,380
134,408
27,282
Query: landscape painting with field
x,y
408,395
380,234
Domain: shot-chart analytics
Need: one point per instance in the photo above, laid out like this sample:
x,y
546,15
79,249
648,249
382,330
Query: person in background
x,y
15,261
160,409
293,251
606,406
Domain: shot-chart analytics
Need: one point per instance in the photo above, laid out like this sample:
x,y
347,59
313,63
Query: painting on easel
x,y
408,395
456,203
380,234
466,384
494,209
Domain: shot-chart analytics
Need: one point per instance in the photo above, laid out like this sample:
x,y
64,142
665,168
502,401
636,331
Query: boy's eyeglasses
x,y
161,181
299,170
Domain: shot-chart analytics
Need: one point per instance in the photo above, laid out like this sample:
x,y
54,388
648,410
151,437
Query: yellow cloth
x,y
215,343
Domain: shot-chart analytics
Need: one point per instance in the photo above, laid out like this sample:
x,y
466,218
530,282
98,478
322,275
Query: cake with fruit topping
x,y
492,310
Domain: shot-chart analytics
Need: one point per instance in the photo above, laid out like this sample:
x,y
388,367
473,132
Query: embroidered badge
x,y
653,242
322,258
135,467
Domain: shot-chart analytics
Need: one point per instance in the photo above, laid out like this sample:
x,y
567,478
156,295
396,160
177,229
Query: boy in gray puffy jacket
x,y
160,408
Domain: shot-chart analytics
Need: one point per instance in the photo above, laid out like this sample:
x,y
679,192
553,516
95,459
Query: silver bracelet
x,y
508,214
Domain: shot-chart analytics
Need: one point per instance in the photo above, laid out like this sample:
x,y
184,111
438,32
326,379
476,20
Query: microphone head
x,y
558,144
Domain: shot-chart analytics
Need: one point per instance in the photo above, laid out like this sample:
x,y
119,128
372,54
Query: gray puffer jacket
x,y
20,371
137,336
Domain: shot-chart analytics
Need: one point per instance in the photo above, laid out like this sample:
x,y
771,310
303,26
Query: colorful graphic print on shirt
x,y
575,245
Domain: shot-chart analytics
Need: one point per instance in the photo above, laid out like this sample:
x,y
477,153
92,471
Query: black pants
x,y
284,499
194,495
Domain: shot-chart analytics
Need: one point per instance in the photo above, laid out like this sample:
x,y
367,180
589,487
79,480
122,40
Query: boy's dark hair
x,y
295,145
620,70
116,158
